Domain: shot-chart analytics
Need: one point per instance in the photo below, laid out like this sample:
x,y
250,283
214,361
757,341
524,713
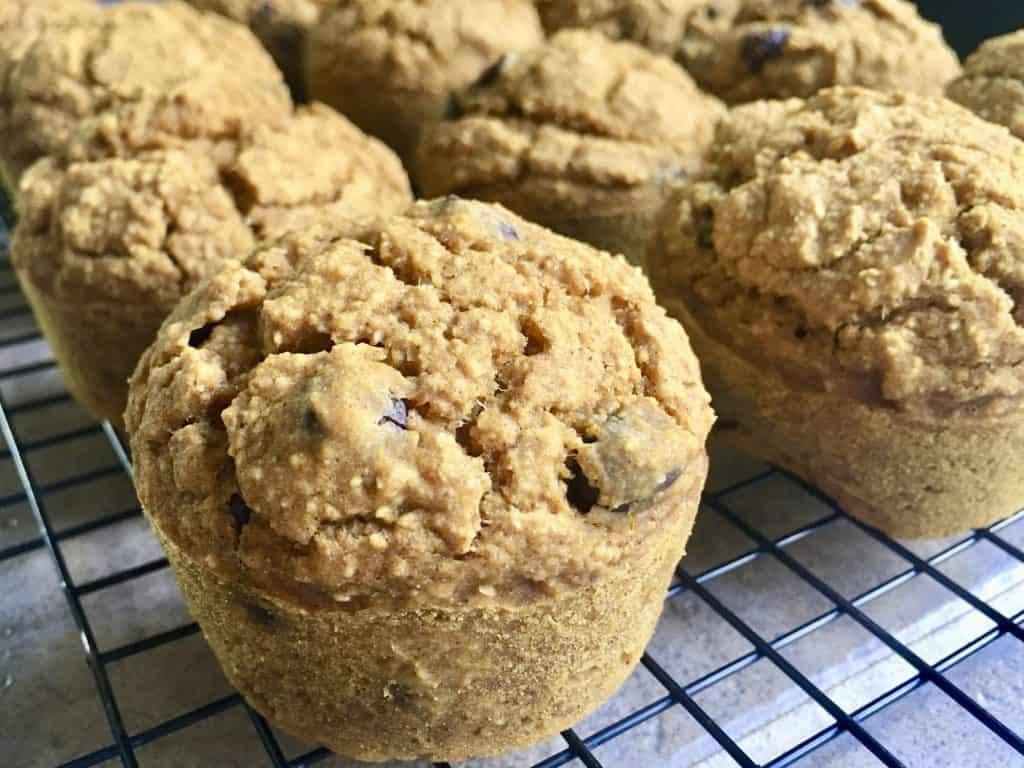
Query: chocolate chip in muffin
x,y
758,48
493,72
396,415
578,490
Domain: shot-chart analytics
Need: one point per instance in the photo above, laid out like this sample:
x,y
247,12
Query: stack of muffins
x,y
424,469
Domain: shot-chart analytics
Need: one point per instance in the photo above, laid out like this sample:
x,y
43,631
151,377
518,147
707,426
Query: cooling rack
x,y
797,577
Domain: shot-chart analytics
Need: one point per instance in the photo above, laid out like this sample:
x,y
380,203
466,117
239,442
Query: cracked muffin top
x,y
654,24
391,64
579,123
167,69
448,405
301,13
992,84
743,50
145,229
861,242
20,20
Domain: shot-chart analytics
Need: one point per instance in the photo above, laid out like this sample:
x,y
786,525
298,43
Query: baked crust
x,y
106,247
423,479
390,65
992,83
850,272
582,134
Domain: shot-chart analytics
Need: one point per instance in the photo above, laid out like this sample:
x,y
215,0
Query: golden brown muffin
x,y
851,273
106,247
423,480
281,25
654,24
992,83
743,50
390,65
583,135
184,74
20,22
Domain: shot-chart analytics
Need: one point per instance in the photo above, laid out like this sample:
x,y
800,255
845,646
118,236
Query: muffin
x,y
20,22
743,50
583,135
390,65
992,83
654,24
180,72
281,25
423,480
851,273
106,247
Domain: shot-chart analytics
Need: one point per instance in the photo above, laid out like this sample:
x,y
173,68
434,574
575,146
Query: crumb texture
x,y
743,50
145,229
391,64
166,70
992,84
579,123
448,405
859,240
654,24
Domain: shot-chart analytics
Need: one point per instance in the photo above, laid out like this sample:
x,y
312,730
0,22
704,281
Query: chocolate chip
x,y
397,414
578,490
453,110
664,485
240,511
669,481
758,48
490,75
311,423
711,12
507,231
200,336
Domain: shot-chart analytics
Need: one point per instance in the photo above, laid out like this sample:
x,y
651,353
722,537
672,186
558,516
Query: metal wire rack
x,y
577,746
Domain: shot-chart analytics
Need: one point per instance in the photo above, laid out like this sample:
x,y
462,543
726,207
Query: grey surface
x,y
50,712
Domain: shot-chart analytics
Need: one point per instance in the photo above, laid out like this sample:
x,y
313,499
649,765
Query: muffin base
x,y
96,347
910,477
436,684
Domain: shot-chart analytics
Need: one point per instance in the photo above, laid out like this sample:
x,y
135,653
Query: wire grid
x,y
577,747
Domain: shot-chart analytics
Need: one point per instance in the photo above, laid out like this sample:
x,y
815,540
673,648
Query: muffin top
x,y
742,50
20,20
860,242
580,122
144,229
654,24
992,84
390,64
447,405
183,73
300,13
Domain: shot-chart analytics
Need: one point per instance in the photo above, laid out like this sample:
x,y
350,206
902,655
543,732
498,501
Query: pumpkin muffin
x,y
654,24
851,272
992,83
743,50
583,135
424,479
106,247
20,21
281,25
390,65
178,72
